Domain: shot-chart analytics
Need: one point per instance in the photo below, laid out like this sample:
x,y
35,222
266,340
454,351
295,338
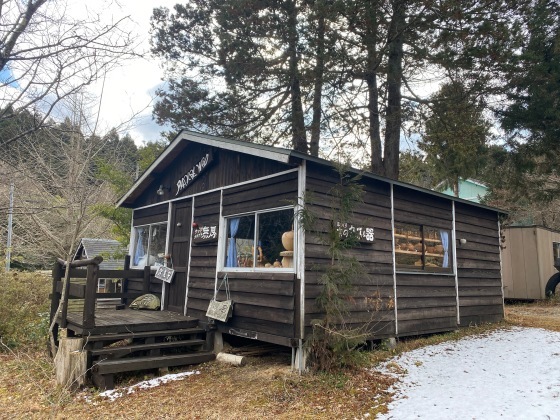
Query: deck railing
x,y
88,291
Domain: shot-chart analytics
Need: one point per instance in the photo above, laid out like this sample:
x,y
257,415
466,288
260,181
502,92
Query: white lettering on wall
x,y
186,179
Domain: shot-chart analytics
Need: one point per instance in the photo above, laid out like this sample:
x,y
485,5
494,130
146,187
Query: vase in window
x,y
288,240
288,244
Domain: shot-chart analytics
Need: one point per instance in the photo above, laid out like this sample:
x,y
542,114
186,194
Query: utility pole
x,y
10,216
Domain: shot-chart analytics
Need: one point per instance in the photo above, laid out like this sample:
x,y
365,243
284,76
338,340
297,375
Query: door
x,y
180,236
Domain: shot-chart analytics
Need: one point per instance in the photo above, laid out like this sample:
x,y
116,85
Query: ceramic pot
x,y
288,240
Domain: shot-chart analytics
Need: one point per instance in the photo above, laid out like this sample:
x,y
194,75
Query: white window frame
x,y
222,248
135,240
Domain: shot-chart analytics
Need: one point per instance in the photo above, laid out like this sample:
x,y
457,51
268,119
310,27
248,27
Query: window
x,y
149,246
556,250
272,231
423,248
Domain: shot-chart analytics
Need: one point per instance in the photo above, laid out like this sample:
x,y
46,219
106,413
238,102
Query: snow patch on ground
x,y
513,374
113,394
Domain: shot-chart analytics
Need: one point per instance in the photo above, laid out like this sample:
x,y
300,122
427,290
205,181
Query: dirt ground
x,y
264,388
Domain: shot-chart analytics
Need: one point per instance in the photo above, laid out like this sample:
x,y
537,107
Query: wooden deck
x,y
111,321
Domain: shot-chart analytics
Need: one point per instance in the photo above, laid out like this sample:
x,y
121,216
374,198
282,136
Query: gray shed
x,y
112,251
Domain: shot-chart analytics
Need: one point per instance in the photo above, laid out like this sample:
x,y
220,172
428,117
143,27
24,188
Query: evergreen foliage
x,y
333,345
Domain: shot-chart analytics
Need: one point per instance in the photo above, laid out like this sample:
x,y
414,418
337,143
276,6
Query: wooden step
x,y
160,333
142,363
124,350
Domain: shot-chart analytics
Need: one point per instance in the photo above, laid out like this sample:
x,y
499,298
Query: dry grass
x,y
540,314
264,388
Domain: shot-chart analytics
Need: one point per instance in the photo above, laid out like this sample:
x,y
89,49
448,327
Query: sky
x,y
130,89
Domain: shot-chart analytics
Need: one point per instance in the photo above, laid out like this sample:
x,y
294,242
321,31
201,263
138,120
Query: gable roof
x,y
268,152
90,248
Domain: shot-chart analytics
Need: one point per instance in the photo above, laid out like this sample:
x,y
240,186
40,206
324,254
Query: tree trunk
x,y
373,93
394,82
318,88
299,140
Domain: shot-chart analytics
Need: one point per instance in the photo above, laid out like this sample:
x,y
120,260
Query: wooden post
x,y
124,288
55,296
146,283
91,290
64,311
55,301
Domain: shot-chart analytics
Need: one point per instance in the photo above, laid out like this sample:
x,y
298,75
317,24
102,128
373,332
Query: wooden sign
x,y
204,234
193,173
221,311
362,233
165,274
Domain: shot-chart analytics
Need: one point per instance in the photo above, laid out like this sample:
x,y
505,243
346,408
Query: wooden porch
x,y
119,339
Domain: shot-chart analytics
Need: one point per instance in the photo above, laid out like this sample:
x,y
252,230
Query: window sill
x,y
423,272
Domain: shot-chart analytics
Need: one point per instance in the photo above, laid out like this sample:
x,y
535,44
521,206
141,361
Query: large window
x,y
149,246
423,248
271,231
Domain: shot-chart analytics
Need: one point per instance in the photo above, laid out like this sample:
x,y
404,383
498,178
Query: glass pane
x,y
240,240
438,248
408,245
556,249
157,245
276,239
141,246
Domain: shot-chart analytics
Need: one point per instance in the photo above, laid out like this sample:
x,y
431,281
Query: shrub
x,y
24,309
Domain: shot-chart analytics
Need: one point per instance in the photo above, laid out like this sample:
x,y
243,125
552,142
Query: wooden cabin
x,y
212,208
528,261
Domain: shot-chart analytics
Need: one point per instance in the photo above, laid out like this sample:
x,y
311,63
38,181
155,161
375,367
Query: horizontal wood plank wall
x,y
478,260
226,168
263,302
370,300
202,273
426,302
278,191
150,215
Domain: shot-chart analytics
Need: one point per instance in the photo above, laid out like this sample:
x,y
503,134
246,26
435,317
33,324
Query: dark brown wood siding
x,y
202,274
226,168
264,302
425,302
278,191
478,261
370,301
149,215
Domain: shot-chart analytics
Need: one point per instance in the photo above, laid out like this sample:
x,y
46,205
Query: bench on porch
x,y
118,339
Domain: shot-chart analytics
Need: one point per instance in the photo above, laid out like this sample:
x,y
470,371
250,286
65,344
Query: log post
x,y
146,283
64,310
91,290
70,363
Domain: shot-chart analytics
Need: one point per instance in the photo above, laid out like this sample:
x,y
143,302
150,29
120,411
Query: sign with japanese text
x,y
363,234
165,274
205,234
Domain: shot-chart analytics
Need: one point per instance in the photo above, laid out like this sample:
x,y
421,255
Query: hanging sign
x,y
362,233
165,274
204,234
193,173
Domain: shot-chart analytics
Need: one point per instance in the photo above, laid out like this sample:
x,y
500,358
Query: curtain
x,y
140,252
444,236
231,260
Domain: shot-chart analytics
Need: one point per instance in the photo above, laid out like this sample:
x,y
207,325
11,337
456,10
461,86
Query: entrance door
x,y
181,223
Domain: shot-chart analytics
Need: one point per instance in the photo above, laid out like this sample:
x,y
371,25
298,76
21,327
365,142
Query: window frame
x,y
254,269
424,268
135,241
